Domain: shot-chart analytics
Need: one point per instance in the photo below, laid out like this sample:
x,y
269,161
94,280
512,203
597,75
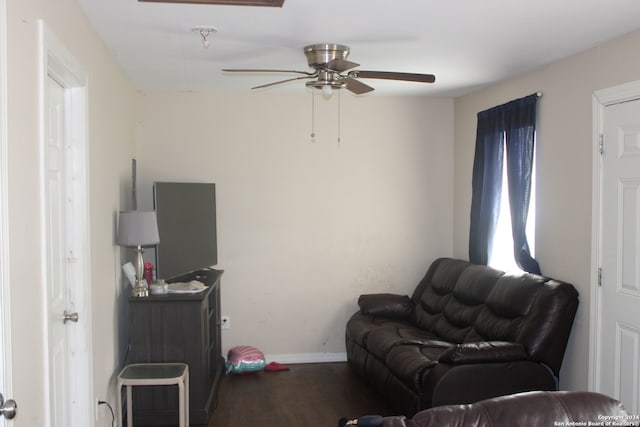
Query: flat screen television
x,y
186,213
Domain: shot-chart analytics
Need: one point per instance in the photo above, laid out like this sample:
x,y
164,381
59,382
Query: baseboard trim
x,y
306,358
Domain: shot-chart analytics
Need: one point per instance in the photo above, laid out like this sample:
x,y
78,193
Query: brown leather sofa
x,y
468,333
532,409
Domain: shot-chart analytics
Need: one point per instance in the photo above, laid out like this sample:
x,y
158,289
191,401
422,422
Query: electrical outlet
x,y
225,322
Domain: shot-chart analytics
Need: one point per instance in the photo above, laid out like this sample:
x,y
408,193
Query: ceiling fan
x,y
332,71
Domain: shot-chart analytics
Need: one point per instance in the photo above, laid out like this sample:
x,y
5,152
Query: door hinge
x,y
600,276
601,144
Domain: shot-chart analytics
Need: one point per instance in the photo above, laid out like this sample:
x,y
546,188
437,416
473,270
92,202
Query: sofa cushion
x,y
513,295
451,309
381,340
434,291
508,303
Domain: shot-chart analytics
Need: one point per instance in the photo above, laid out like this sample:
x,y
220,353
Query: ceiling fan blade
x,y
340,65
389,75
356,86
281,81
252,70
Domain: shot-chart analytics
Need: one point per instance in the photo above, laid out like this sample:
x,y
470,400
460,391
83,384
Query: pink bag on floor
x,y
244,358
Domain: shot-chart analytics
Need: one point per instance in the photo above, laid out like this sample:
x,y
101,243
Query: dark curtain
x,y
487,185
510,125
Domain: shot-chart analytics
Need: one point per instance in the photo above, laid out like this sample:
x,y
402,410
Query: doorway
x,y
615,323
64,145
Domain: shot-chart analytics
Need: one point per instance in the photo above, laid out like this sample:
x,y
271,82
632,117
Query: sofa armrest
x,y
485,351
386,305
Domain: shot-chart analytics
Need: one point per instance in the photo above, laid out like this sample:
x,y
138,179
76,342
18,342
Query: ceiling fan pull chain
x,y
339,108
313,116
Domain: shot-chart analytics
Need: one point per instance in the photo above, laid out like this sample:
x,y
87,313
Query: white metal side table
x,y
143,374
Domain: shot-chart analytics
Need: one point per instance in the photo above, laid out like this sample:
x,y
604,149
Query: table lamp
x,y
137,229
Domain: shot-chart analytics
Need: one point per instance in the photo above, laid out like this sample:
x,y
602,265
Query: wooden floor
x,y
308,395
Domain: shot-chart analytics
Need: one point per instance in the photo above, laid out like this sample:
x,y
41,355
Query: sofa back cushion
x,y
462,302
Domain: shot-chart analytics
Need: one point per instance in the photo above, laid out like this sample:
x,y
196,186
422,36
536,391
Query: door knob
x,y
70,317
9,408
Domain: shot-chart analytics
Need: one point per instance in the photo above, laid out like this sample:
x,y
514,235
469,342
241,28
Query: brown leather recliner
x,y
468,333
532,409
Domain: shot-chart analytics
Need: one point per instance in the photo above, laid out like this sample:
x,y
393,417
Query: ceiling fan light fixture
x,y
326,86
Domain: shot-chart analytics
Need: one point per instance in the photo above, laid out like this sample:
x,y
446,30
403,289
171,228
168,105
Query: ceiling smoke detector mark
x,y
204,32
269,3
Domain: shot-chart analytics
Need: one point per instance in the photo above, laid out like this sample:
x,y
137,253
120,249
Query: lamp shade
x,y
137,228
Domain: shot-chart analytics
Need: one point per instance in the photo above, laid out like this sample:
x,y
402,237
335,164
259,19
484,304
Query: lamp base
x,y
140,290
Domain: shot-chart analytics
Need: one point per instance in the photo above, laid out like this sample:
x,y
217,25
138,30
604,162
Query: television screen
x,y
187,227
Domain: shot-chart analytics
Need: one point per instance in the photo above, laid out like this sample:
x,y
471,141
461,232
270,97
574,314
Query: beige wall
x,y
565,150
112,108
304,228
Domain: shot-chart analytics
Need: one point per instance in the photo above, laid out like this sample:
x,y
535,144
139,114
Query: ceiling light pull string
x,y
339,108
313,116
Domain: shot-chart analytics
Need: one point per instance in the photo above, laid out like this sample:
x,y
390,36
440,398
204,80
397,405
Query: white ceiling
x,y
465,43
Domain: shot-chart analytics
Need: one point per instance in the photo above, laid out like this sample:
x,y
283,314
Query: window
x,y
501,253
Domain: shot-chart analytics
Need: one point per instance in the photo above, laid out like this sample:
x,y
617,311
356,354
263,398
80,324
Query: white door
x,y
5,306
57,254
619,340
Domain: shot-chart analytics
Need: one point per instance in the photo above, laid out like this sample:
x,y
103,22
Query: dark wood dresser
x,y
178,328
